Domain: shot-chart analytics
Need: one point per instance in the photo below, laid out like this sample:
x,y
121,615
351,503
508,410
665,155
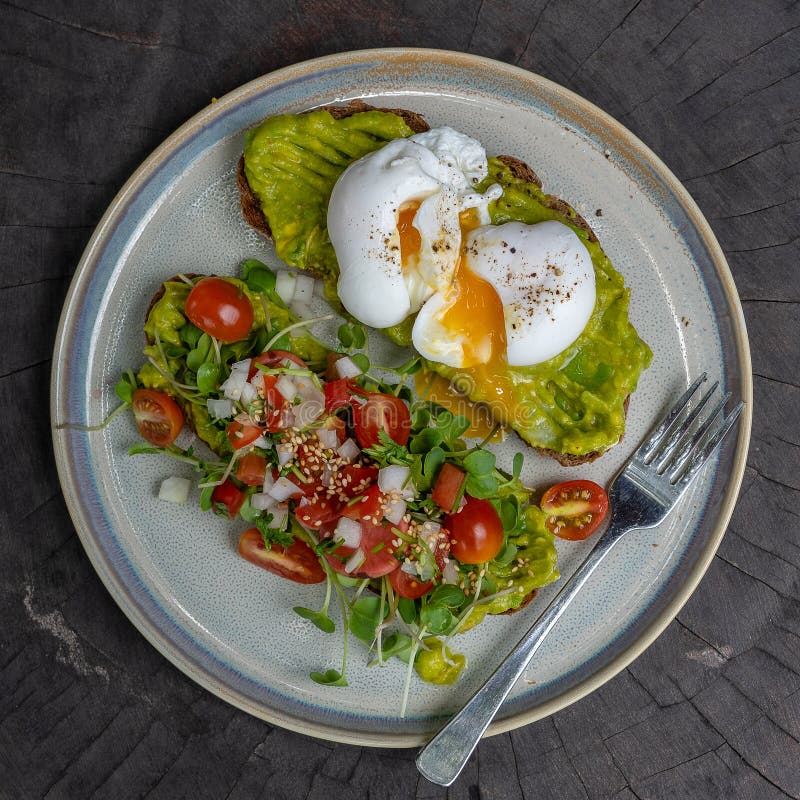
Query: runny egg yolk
x,y
410,240
474,314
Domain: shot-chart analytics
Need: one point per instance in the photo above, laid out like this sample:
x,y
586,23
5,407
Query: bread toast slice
x,y
254,216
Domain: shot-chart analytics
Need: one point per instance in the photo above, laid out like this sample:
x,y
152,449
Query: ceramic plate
x,y
175,572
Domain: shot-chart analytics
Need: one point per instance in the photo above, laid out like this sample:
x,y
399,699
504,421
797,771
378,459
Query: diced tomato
x,y
381,412
297,562
338,394
229,495
242,435
448,487
251,468
318,512
409,586
355,478
368,507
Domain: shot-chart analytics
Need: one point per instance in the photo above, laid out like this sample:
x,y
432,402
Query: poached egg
x,y
412,235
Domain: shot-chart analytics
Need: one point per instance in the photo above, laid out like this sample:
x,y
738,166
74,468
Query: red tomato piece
x,y
220,308
409,586
381,412
274,358
229,495
448,486
356,478
242,435
158,417
338,394
297,562
377,547
476,532
318,512
575,509
368,507
251,469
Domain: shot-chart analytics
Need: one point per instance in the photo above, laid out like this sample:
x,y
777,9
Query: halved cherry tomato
x,y
409,586
476,532
242,435
220,308
274,358
381,412
575,509
297,562
251,469
448,486
158,417
376,545
229,495
368,507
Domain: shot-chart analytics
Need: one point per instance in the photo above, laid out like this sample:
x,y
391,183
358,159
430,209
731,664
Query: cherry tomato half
x,y
381,412
275,358
158,417
476,532
409,586
447,489
575,509
229,495
297,562
220,308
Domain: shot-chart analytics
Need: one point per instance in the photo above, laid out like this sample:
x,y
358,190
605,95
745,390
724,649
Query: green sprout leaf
x,y
479,462
319,618
365,616
331,677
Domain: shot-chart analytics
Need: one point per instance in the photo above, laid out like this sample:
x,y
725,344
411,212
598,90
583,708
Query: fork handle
x,y
443,758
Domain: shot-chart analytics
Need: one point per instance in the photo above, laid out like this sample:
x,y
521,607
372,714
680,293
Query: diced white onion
x,y
262,442
307,412
220,409
249,393
304,385
348,450
430,533
409,567
395,478
285,385
328,438
269,480
303,289
279,516
355,561
284,285
287,418
346,368
349,531
283,489
242,366
285,454
450,572
261,502
232,387
394,511
301,310
174,490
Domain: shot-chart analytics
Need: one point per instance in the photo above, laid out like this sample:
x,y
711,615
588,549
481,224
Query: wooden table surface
x,y
88,708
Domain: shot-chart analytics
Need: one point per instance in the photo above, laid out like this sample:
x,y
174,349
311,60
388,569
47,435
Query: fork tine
x,y
682,458
700,458
647,449
682,430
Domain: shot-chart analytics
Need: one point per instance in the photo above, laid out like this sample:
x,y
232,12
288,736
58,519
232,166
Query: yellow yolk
x,y
410,240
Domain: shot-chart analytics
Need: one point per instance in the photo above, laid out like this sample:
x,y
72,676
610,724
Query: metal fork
x,y
641,496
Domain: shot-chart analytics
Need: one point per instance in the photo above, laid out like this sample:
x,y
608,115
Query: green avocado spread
x,y
575,402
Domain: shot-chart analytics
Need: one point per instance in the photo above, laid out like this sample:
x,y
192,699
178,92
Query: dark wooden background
x,y
87,707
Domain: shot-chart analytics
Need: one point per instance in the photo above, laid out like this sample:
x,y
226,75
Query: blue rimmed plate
x,y
174,571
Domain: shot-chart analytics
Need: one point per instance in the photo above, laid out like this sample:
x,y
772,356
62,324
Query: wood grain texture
x,y
88,709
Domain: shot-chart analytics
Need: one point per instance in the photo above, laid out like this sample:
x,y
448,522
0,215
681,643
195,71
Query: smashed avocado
x,y
574,403
292,162
172,338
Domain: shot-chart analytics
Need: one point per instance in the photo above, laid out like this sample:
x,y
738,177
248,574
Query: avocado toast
x,y
571,407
